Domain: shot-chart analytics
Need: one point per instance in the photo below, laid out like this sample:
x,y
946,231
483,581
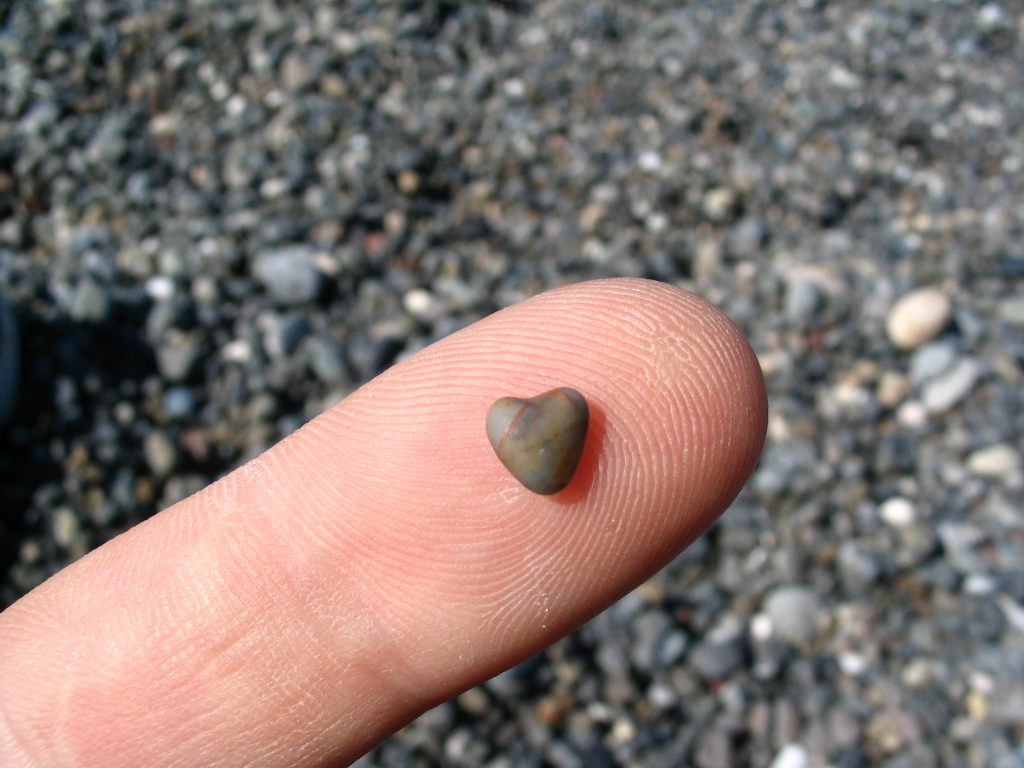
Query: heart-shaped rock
x,y
540,440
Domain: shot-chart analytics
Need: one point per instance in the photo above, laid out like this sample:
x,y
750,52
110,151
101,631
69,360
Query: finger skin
x,y
381,559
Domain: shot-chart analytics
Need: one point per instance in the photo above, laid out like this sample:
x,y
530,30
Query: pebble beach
x,y
218,218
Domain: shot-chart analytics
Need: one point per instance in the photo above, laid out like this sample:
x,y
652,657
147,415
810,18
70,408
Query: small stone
x,y
423,305
65,527
717,660
918,317
475,701
714,750
178,402
177,356
1011,309
941,394
288,274
932,360
852,664
160,288
408,181
802,301
857,569
89,302
296,73
707,259
160,453
960,542
282,333
237,351
999,460
327,360
792,756
719,203
793,611
897,512
746,238
540,440
892,388
912,414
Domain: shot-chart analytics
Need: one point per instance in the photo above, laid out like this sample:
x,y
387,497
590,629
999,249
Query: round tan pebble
x,y
540,440
918,317
997,460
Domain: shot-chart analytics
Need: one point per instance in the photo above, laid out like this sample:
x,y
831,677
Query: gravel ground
x,y
218,217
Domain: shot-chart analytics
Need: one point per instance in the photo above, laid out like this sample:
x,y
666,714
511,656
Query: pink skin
x,y
382,560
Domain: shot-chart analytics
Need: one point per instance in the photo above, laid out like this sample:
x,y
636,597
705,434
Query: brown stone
x,y
540,440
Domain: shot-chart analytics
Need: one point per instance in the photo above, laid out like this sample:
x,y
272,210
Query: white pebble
x,y
422,304
918,317
65,527
515,88
997,460
236,351
761,627
160,453
897,512
979,584
649,160
941,394
792,756
160,288
912,414
852,664
1013,611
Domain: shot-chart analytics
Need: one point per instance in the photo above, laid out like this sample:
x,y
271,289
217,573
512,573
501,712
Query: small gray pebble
x,y
794,613
932,360
177,356
289,275
1011,309
857,568
282,334
714,750
327,359
802,301
717,660
89,303
946,391
648,630
178,402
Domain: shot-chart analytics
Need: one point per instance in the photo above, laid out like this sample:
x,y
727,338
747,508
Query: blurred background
x,y
218,217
